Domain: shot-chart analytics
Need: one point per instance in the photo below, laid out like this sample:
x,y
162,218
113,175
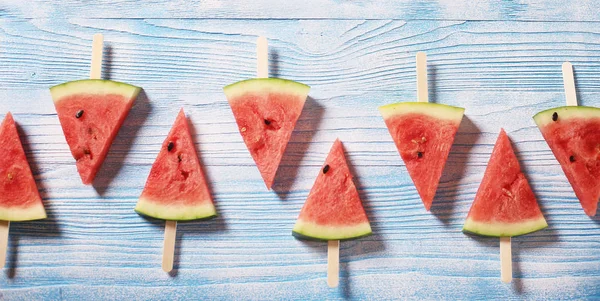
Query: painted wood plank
x,y
328,55
93,246
536,10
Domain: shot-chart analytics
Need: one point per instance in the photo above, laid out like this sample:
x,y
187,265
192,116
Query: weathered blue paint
x,y
503,69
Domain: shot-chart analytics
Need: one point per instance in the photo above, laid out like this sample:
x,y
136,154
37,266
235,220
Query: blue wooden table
x,y
498,59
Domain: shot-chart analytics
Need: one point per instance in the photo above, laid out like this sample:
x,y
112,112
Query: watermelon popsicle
x,y
91,113
176,189
504,206
423,133
266,111
333,210
20,199
573,134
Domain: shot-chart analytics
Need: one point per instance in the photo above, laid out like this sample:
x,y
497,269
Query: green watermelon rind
x,y
20,214
205,210
313,231
94,86
279,85
566,112
436,110
504,229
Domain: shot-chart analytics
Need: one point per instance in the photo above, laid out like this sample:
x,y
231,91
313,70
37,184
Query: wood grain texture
x,y
94,246
531,10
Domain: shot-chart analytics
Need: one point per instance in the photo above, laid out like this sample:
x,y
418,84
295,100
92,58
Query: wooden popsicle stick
x,y
4,227
169,245
97,49
505,260
262,57
569,83
333,263
422,92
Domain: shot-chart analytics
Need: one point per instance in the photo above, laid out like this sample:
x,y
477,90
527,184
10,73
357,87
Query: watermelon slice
x,y
266,111
333,210
423,133
573,134
91,113
504,204
176,188
19,197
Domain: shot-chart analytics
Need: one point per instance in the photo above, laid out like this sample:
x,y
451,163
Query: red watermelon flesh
x,y
91,113
266,111
423,133
504,204
333,209
573,134
19,197
176,188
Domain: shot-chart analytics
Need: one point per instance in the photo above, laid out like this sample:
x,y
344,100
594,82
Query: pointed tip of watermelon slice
x,y
590,211
8,116
427,203
268,182
503,133
181,115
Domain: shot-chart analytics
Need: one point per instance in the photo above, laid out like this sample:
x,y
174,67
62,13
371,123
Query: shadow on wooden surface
x,y
216,224
538,239
345,281
209,183
122,144
47,227
177,256
273,63
431,83
306,127
373,243
443,207
107,61
13,255
577,93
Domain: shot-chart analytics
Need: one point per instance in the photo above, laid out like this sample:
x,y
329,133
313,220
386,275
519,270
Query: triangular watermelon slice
x,y
573,134
504,204
91,113
266,111
19,197
423,133
176,188
333,209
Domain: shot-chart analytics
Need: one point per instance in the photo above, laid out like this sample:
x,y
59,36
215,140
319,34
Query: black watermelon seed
x,y
555,116
572,158
326,169
79,114
170,146
267,122
420,154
